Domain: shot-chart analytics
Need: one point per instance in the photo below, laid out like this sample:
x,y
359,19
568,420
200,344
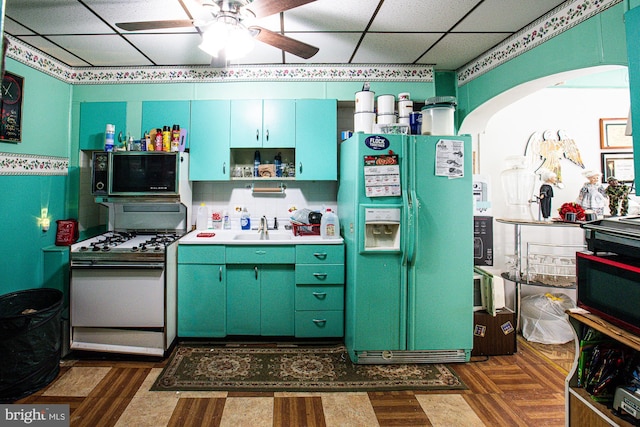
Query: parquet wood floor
x,y
524,389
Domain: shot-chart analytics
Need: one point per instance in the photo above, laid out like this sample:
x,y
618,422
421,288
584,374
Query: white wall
x,y
576,111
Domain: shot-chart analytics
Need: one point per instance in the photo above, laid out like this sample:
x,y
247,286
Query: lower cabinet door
x,y
277,300
202,300
243,299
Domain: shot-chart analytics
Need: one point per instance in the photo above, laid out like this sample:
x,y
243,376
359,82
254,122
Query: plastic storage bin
x,y
30,341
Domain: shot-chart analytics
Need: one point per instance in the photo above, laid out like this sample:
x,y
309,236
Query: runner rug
x,y
295,368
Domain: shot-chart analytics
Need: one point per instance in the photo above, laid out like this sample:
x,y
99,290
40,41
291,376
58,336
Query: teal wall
x,y
599,40
45,131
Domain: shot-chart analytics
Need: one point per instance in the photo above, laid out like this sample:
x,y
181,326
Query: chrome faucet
x,y
264,226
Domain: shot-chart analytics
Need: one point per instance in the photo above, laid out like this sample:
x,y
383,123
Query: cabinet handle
x,y
267,134
300,167
220,274
224,168
320,275
320,255
261,252
255,269
320,295
319,321
257,134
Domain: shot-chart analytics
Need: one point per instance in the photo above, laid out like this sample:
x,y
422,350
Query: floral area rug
x,y
296,368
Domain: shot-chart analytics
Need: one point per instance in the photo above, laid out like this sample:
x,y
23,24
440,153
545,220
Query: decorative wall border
x,y
559,20
562,18
27,164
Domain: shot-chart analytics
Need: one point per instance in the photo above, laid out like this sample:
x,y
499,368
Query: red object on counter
x,y
306,229
67,232
205,234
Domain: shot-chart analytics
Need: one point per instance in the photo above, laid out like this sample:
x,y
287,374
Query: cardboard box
x,y
494,335
483,240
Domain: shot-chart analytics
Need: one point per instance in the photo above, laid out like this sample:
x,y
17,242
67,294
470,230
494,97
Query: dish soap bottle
x,y
245,220
201,219
329,225
226,222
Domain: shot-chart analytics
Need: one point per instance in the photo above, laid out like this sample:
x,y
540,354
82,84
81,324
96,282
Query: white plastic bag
x,y
544,319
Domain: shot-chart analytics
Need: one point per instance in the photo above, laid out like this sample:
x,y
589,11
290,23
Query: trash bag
x,y
30,341
544,320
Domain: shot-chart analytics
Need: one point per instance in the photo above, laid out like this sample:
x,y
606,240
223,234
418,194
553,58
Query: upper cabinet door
x,y
263,124
316,139
94,117
210,130
157,114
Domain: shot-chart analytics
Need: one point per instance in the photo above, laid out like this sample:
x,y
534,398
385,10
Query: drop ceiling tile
x,y
170,49
55,17
331,15
102,50
13,28
335,48
455,50
393,48
519,12
54,51
425,15
143,10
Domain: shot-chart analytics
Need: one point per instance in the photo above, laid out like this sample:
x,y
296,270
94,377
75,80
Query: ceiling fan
x,y
227,33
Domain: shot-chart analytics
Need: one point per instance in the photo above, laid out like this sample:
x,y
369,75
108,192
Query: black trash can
x,y
29,341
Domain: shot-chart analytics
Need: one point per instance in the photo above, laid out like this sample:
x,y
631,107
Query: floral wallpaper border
x,y
26,164
564,17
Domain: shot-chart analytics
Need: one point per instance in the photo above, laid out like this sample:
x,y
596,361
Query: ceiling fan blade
x,y
154,25
293,46
262,8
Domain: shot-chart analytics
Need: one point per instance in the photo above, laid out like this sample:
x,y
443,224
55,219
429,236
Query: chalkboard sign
x,y
11,101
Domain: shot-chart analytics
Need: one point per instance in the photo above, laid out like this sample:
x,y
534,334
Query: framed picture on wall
x,y
11,107
612,135
619,165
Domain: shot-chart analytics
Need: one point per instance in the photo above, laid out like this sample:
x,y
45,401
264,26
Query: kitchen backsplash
x,y
233,196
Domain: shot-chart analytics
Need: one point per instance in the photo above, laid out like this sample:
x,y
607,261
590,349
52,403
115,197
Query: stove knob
x,y
134,249
95,248
157,249
83,248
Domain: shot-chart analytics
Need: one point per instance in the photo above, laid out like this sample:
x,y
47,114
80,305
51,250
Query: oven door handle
x,y
124,265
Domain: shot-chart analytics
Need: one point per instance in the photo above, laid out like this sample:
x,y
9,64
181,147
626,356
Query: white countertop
x,y
246,237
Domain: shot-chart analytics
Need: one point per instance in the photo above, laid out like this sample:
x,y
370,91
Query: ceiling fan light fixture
x,y
234,38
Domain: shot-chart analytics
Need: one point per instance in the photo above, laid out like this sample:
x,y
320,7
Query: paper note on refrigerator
x,y
450,158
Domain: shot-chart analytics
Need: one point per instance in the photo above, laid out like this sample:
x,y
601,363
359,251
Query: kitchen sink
x,y
259,238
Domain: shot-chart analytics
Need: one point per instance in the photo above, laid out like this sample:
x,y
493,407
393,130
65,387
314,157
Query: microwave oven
x,y
488,292
135,173
609,286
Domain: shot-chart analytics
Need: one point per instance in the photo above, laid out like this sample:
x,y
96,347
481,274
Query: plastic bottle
x,y
329,225
277,160
201,219
175,138
256,164
226,222
245,220
166,138
109,137
158,140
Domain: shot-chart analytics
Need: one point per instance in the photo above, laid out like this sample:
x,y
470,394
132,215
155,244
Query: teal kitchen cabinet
x,y
316,140
157,114
319,294
210,130
202,291
260,290
268,123
94,117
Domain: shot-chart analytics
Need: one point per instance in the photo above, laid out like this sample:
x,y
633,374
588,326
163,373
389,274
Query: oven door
x,y
117,295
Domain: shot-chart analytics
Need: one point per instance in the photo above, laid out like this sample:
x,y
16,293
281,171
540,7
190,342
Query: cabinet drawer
x,y
320,274
201,254
257,254
319,297
319,323
320,254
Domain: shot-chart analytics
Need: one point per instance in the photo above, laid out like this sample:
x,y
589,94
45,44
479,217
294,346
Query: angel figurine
x,y
592,195
552,147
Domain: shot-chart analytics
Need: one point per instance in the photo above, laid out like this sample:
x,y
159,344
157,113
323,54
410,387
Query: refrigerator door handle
x,y
407,202
412,201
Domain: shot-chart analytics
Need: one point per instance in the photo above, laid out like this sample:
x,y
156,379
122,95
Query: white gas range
x,y
124,282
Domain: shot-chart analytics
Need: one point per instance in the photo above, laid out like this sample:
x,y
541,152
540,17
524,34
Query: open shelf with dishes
x,y
242,164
